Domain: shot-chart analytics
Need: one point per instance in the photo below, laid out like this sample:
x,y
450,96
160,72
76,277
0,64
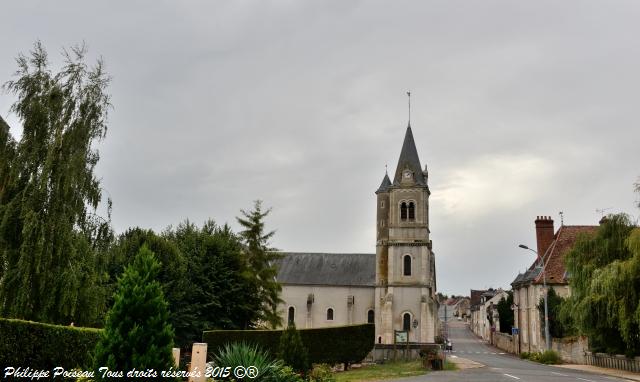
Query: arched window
x,y
406,265
370,317
330,314
292,315
406,321
403,211
412,211
379,339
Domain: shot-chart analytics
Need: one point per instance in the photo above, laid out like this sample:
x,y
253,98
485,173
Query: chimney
x,y
544,233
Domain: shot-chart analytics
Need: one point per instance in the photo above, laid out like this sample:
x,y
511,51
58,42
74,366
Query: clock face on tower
x,y
407,174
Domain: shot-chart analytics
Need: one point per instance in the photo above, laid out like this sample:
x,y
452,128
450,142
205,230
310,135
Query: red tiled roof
x,y
563,241
451,301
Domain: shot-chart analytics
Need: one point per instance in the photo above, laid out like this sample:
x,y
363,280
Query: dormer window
x,y
403,211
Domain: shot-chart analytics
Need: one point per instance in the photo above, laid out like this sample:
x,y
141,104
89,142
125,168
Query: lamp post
x,y
546,306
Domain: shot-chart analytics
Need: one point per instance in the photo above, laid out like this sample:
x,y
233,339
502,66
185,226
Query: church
x,y
393,288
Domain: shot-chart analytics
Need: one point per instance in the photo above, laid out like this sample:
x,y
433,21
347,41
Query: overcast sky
x,y
518,109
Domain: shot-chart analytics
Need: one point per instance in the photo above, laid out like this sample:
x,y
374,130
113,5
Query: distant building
x,y
395,288
462,308
484,317
527,287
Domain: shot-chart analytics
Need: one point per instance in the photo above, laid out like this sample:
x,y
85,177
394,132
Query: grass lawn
x,y
388,370
450,366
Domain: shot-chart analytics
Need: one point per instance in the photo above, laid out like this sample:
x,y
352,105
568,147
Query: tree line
x,y
60,260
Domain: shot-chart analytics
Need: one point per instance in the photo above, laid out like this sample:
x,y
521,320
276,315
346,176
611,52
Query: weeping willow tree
x,y
49,232
604,275
7,152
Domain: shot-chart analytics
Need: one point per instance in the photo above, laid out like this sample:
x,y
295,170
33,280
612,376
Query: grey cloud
x,y
302,104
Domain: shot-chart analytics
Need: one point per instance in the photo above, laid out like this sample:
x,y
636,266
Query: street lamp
x,y
546,306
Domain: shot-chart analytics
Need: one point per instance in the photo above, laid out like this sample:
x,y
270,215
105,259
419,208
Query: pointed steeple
x,y
384,186
409,160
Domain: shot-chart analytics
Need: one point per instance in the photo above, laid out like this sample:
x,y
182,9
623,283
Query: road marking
x,y
512,376
502,353
560,374
454,356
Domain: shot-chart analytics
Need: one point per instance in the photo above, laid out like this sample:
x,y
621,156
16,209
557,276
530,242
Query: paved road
x,y
500,366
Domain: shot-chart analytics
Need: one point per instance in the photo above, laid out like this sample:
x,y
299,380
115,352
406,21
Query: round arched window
x,y
406,265
330,314
291,319
412,211
406,321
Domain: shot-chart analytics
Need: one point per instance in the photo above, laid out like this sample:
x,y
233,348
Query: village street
x,y
499,366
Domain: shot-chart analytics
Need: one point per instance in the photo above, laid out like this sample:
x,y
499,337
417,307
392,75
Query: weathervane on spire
x,y
409,96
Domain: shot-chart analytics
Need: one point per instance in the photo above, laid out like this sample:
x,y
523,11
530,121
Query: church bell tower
x,y
405,264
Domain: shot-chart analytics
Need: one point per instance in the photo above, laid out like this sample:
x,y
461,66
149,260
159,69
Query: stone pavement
x,y
603,371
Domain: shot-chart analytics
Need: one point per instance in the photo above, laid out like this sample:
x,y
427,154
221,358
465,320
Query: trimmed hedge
x,y
44,346
338,344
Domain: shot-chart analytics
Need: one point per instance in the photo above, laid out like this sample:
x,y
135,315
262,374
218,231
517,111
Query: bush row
x,y
340,344
44,346
549,357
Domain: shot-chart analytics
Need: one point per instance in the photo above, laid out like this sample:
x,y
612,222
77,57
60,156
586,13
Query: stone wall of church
x,y
311,304
420,265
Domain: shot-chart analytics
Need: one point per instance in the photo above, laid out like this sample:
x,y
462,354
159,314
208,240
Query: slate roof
x,y
563,241
409,159
384,186
339,269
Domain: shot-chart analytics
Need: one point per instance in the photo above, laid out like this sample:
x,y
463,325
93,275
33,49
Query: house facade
x,y
484,318
528,286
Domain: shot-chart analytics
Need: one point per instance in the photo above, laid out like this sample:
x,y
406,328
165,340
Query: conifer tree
x,y
137,334
261,260
48,228
172,274
292,350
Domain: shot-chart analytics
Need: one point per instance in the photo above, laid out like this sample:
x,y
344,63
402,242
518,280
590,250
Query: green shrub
x,y
321,373
292,351
245,354
340,344
44,346
137,334
287,374
549,357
